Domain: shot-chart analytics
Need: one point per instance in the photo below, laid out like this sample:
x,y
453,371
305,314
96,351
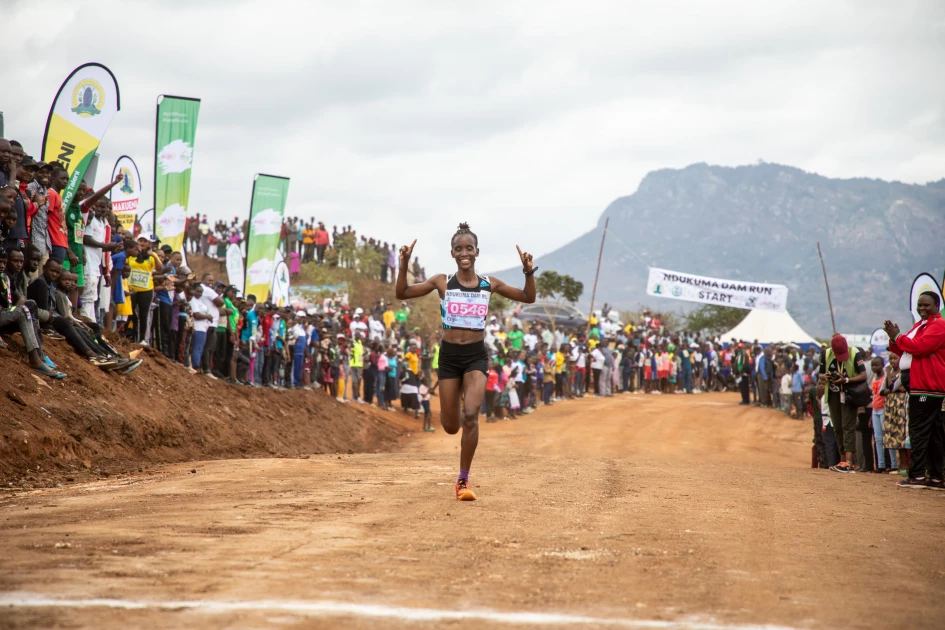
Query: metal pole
x,y
833,322
600,255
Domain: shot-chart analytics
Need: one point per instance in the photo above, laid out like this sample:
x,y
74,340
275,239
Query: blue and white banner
x,y
677,285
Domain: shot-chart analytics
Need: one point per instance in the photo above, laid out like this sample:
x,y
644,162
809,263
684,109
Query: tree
x,y
499,304
714,319
555,290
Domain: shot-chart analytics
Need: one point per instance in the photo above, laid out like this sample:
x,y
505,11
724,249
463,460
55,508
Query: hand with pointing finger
x,y
405,253
526,261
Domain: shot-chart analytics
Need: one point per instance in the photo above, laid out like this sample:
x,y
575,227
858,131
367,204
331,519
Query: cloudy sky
x,y
524,118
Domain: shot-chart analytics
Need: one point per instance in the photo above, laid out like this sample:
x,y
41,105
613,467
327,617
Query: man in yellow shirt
x,y
411,357
388,317
562,382
357,366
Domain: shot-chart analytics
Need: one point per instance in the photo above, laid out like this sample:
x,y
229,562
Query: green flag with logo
x,y
173,158
265,228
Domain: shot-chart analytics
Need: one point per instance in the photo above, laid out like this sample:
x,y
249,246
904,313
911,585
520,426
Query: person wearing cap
x,y
840,369
357,325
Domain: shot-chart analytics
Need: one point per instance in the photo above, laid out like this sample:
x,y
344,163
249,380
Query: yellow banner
x,y
83,108
68,144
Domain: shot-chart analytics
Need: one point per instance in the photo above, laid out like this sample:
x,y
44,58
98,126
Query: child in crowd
x,y
514,403
785,392
409,393
502,404
895,416
425,401
492,391
123,309
797,390
673,370
327,380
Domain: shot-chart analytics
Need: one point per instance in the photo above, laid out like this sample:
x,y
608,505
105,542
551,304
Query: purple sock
x,y
463,475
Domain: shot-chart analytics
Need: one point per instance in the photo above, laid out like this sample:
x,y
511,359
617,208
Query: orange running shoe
x,y
463,493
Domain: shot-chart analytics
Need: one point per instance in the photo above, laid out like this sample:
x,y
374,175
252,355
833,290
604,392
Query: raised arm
x,y
98,194
526,295
405,292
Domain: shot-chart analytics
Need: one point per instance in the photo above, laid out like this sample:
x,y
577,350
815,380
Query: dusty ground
x,y
682,509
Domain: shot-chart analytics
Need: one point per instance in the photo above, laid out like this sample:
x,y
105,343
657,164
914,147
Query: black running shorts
x,y
457,359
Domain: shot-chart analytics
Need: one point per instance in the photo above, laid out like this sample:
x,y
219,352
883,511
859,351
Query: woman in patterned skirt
x,y
895,412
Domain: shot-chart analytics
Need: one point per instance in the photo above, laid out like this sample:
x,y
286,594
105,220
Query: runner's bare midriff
x,y
463,337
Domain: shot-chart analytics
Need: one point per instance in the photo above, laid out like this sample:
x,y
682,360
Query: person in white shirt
x,y
213,302
375,328
579,362
201,314
357,325
597,365
95,246
698,368
786,393
531,340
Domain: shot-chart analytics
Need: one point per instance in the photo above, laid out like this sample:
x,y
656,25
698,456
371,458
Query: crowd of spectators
x,y
53,260
71,275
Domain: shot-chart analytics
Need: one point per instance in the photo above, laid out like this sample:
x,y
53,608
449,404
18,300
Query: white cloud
x,y
525,119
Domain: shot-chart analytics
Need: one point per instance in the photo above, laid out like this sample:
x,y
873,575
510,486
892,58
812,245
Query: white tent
x,y
768,327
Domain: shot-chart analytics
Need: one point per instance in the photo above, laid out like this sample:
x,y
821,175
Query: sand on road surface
x,y
665,511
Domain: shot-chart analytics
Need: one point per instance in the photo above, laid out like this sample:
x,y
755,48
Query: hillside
x,y
762,223
94,424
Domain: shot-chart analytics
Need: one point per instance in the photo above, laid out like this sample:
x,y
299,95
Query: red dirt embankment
x,y
94,423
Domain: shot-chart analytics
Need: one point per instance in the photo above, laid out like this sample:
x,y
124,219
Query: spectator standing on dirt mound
x,y
922,356
841,369
463,358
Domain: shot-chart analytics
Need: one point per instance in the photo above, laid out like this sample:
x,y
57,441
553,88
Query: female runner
x,y
464,362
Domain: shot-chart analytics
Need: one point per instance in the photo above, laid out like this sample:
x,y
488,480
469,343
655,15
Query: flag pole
x,y
833,322
600,255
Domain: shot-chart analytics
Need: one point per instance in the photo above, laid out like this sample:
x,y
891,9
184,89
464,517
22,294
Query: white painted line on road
x,y
335,608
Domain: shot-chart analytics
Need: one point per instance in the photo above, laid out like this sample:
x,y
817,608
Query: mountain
x,y
762,223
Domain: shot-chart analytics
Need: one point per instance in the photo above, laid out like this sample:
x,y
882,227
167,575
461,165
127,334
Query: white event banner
x,y
677,285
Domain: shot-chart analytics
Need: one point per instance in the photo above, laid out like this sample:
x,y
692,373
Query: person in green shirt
x,y
232,321
401,315
75,228
515,337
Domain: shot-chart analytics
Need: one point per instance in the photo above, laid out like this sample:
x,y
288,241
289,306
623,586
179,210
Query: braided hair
x,y
464,229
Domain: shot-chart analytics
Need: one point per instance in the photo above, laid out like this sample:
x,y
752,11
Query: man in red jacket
x,y
922,353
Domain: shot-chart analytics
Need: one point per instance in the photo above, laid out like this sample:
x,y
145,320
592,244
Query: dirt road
x,y
631,511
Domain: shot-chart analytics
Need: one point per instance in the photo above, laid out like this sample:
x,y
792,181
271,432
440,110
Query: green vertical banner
x,y
81,112
173,157
265,227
